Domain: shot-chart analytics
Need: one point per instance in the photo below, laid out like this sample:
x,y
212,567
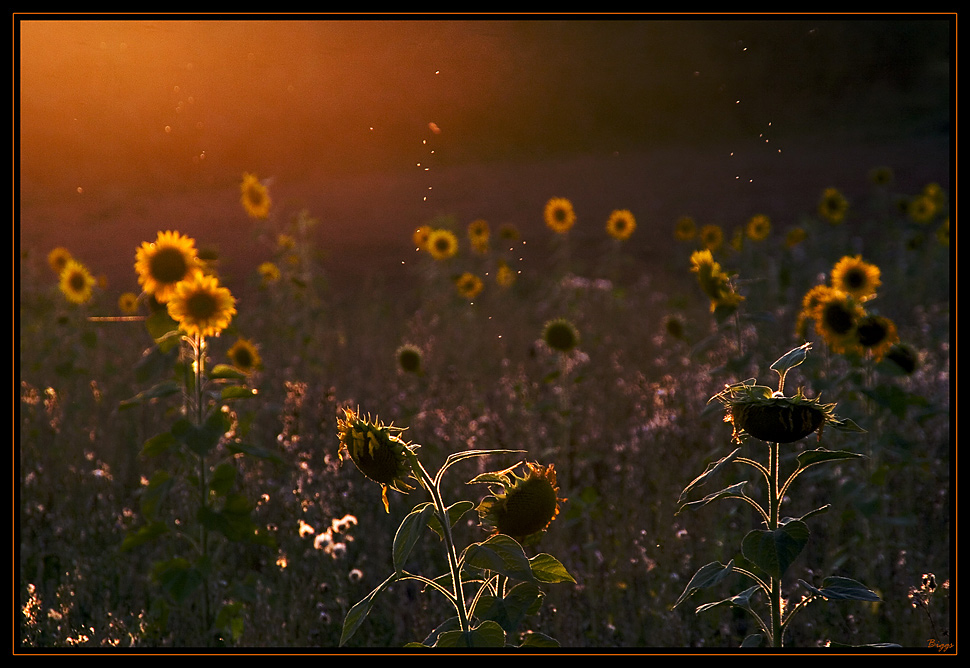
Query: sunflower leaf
x,y
711,468
774,551
836,588
546,568
361,609
408,533
707,576
501,554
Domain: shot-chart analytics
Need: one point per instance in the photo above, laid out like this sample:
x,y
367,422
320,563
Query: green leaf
x,y
159,445
177,577
708,472
163,330
230,620
226,372
510,610
234,520
163,389
706,576
774,551
836,588
455,512
791,359
753,640
222,479
534,639
546,568
813,457
237,392
486,634
408,533
155,492
143,535
202,439
250,450
357,614
742,600
501,554
735,491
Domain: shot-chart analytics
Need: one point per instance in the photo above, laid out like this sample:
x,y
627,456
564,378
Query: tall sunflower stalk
x,y
490,616
775,418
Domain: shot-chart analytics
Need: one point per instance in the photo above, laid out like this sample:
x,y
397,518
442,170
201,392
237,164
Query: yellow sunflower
x,y
876,334
269,272
201,306
714,281
711,237
128,303
76,282
58,259
685,228
810,304
621,224
855,277
420,237
833,205
244,355
758,227
255,196
523,506
442,244
162,264
469,285
504,275
922,208
559,215
478,234
836,318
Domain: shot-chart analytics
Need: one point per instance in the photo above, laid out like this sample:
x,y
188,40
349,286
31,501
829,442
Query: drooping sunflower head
x,y
409,358
201,306
904,357
521,507
560,335
244,355
876,335
758,227
833,205
58,259
559,215
856,277
162,264
621,224
255,196
685,228
442,244
469,285
377,450
76,282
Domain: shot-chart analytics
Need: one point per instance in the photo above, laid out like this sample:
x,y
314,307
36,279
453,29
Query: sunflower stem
x,y
198,349
774,504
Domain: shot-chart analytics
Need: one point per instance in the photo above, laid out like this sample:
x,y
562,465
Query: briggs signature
x,y
940,646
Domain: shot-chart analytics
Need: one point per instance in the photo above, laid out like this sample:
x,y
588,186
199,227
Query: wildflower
x,y
524,506
162,264
621,224
128,303
255,197
244,355
442,244
201,306
876,334
58,259
76,282
376,450
833,205
711,237
758,227
561,335
269,272
504,275
685,229
795,236
559,215
836,318
856,277
420,237
409,358
478,234
469,285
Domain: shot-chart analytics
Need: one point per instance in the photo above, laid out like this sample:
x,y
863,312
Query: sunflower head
x,y
409,358
442,244
855,277
560,335
504,275
377,451
255,197
244,355
201,306
478,235
58,259
903,357
836,317
711,237
420,237
758,227
469,285
128,303
76,282
161,265
621,224
269,272
685,228
521,507
559,215
876,334
832,206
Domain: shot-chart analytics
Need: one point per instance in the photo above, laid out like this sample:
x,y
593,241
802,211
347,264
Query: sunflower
x,y
836,318
922,208
128,303
58,259
376,450
711,237
409,358
856,277
504,275
420,237
255,197
469,285
162,264
810,304
508,232
876,334
561,335
559,215
201,306
76,282
269,272
244,355
621,224
478,234
524,506
758,227
714,281
685,228
833,205
904,357
442,244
